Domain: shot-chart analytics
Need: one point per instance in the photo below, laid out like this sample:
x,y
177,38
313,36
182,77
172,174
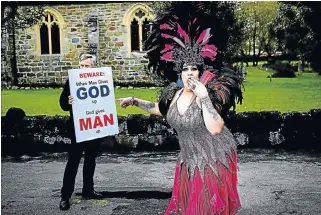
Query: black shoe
x,y
92,195
64,204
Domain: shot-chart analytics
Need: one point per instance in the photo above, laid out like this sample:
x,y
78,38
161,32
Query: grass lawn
x,y
302,93
46,102
283,94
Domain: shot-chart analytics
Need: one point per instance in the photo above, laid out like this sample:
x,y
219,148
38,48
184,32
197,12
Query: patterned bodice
x,y
198,147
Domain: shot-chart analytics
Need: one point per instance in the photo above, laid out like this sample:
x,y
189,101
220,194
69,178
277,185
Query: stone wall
x,y
292,131
112,48
6,54
4,58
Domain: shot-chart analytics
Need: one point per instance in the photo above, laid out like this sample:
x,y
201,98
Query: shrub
x,y
282,70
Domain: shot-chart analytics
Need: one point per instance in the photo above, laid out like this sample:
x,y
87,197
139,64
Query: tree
x,y
293,35
258,17
298,33
310,16
14,17
159,6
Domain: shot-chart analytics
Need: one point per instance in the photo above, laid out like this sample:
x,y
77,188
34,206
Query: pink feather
x,y
183,34
206,77
211,48
208,54
205,35
166,36
165,26
167,47
209,51
167,57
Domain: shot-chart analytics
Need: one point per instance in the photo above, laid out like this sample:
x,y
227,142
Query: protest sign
x,y
94,108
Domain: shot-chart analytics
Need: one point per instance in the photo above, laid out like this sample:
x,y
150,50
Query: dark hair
x,y
166,97
224,91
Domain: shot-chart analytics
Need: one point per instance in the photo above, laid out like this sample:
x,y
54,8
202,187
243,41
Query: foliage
x,y
13,16
283,70
258,17
310,18
159,6
293,35
298,32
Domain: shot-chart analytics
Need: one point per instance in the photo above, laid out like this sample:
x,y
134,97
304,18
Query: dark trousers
x,y
91,149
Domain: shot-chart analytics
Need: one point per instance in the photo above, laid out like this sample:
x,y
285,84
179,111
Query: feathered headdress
x,y
182,35
179,43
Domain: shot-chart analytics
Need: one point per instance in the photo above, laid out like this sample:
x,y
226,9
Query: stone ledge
x,y
291,131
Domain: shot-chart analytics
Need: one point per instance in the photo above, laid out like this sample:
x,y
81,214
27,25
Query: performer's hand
x,y
198,88
70,100
125,102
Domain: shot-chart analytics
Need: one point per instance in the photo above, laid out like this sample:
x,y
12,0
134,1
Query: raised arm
x,y
63,101
148,106
213,121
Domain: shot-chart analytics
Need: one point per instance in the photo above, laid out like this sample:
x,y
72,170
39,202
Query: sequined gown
x,y
205,181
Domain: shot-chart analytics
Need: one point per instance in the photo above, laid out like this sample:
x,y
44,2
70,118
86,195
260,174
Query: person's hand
x,y
125,102
70,100
198,88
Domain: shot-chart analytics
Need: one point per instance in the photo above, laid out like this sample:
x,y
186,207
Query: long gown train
x,y
205,181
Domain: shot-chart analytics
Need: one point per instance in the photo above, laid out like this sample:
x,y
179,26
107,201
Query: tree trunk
x,y
13,60
2,12
254,37
302,62
269,48
259,53
12,34
249,52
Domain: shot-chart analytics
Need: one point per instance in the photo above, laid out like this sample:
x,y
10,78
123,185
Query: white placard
x,y
94,108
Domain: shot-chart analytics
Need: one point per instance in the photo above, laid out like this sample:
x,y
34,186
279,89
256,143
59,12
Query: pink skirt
x,y
213,196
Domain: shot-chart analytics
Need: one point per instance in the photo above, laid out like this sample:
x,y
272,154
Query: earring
x,y
179,81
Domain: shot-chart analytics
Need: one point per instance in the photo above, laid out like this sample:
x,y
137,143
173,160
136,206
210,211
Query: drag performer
x,y
180,50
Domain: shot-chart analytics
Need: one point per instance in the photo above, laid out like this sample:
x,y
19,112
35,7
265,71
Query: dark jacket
x,y
67,107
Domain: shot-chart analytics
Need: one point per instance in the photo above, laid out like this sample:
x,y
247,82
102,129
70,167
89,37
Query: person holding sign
x,y
91,148
205,180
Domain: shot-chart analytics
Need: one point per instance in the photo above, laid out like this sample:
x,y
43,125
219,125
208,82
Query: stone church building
x,y
113,31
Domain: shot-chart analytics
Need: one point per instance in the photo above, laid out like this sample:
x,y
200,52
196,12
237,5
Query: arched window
x,y
44,35
138,20
55,39
50,33
134,34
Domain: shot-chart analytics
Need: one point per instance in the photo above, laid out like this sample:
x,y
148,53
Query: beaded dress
x,y
205,181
